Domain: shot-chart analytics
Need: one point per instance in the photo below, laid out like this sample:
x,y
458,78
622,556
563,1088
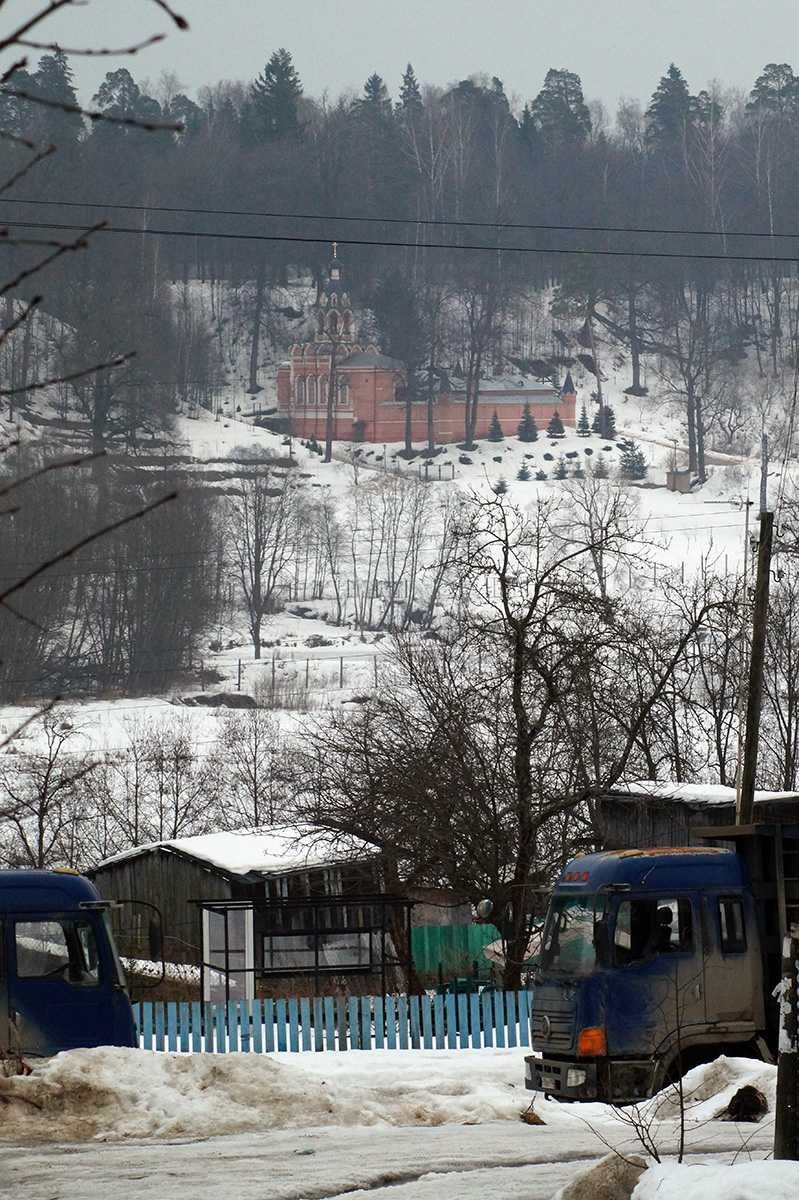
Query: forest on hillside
x,y
667,231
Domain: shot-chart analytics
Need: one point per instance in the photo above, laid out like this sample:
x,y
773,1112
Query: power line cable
x,y
413,221
387,243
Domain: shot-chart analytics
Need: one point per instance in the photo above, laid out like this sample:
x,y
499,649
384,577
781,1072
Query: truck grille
x,y
552,1025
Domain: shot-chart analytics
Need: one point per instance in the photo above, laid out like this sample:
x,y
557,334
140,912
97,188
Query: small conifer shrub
x,y
495,433
555,427
528,430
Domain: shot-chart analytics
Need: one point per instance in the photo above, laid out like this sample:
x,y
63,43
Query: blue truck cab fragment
x,y
650,961
61,982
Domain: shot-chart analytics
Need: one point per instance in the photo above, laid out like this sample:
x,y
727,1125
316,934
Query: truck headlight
x,y
575,1078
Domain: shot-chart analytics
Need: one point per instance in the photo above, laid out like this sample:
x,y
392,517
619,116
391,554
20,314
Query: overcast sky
x,y
619,48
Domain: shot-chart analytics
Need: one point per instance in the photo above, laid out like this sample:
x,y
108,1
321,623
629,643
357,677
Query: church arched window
x,y
312,390
343,395
300,389
323,389
333,321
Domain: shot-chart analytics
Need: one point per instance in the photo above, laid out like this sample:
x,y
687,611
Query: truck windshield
x,y
568,944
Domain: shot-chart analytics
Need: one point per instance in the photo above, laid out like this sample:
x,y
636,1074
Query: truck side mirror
x,y
602,940
155,940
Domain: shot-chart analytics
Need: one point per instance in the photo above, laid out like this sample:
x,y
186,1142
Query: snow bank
x,y
708,1089
112,1093
697,1181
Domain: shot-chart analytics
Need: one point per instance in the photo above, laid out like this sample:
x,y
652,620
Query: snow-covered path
x,y
495,1161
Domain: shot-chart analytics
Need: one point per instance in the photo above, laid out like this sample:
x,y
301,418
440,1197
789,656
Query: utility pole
x,y
754,699
763,473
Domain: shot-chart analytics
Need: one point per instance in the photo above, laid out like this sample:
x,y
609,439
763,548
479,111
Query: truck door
x,y
657,988
56,995
733,976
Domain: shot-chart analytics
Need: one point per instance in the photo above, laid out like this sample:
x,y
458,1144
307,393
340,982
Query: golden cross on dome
x,y
335,249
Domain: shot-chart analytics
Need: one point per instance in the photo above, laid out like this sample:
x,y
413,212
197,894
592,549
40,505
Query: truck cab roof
x,y
43,891
653,869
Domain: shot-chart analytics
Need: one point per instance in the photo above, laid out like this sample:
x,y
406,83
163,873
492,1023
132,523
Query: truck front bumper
x,y
614,1082
566,1080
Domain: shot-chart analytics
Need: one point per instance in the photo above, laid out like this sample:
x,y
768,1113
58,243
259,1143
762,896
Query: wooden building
x,y
647,813
256,904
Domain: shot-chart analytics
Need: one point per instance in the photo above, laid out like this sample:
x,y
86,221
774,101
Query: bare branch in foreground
x,y
79,244
92,537
92,114
23,171
42,712
45,383
77,461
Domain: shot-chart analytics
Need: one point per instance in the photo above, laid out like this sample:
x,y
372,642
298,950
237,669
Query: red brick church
x,y
368,387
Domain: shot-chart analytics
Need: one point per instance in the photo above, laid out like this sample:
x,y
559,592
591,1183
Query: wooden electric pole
x,y
754,700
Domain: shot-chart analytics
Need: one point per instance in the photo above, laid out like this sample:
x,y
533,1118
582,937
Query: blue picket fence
x,y
448,1022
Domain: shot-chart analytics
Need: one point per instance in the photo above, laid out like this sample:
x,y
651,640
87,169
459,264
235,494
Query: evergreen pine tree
x,y
555,427
559,110
541,476
561,469
599,468
604,422
583,427
119,96
670,109
53,81
375,95
632,463
528,430
524,473
410,97
495,433
275,97
775,96
500,487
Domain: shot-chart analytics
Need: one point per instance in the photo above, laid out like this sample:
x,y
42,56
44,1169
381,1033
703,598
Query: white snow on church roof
x,y
270,850
695,793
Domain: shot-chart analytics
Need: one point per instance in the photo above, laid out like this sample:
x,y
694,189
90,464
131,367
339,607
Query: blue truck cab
x,y
650,962
61,981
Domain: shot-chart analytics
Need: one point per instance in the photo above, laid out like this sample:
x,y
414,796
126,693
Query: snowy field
x,y
396,1125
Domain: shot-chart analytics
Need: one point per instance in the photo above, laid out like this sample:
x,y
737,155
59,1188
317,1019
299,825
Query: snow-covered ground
x,y
401,1125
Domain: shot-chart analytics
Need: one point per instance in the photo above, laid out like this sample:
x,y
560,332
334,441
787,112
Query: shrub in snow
x,y
495,433
500,487
555,427
632,463
541,476
549,457
465,460
527,430
604,422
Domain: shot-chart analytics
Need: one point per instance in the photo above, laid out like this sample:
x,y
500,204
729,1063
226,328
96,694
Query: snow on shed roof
x,y
270,850
692,793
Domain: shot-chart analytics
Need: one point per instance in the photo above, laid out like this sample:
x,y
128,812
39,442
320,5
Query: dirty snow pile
x,y
110,1092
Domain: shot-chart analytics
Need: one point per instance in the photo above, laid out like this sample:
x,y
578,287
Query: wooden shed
x,y
255,865
648,813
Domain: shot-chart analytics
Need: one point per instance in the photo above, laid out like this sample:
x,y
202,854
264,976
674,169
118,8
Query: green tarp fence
x,y
455,947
